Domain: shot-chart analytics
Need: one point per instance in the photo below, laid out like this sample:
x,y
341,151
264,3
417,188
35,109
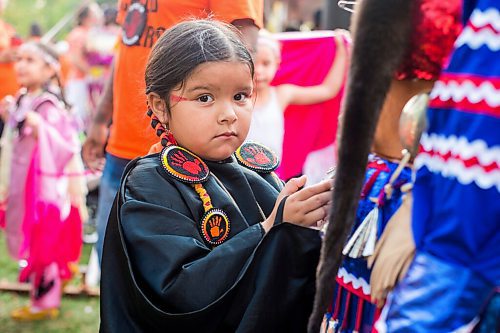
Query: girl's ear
x,y
158,106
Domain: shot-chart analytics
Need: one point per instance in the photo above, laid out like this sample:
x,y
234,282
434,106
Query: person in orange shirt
x,y
123,102
8,42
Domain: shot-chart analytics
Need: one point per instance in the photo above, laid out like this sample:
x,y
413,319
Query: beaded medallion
x,y
257,157
183,165
215,226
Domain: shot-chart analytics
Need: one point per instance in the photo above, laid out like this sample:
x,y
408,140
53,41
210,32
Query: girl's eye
x,y
241,97
205,99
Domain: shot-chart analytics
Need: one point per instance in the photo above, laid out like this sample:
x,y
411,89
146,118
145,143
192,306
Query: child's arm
x,y
290,94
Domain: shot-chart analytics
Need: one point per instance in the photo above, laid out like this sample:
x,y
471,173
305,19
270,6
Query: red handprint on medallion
x,y
257,157
184,165
181,160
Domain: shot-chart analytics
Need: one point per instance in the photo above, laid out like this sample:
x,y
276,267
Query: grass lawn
x,y
21,13
78,313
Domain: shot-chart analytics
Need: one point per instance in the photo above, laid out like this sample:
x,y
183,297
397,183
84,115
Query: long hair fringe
x,y
381,30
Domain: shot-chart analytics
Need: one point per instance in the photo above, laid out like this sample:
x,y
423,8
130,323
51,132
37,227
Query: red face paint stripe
x,y
176,99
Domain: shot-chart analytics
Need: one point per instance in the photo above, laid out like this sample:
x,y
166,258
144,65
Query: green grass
x,y
78,313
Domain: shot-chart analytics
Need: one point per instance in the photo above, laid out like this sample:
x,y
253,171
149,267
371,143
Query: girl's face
x,y
266,65
213,116
31,70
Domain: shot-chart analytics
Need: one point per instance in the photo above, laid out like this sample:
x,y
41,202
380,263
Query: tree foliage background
x,y
22,13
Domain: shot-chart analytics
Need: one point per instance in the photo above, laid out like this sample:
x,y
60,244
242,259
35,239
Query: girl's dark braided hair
x,y
160,129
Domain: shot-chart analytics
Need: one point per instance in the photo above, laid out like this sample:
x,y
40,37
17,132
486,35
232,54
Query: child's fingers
x,y
315,215
344,42
344,34
317,201
293,185
306,193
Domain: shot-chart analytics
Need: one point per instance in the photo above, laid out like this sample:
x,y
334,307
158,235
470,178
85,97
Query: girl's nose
x,y
227,113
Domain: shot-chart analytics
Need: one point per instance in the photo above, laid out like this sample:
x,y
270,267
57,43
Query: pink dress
x,y
42,225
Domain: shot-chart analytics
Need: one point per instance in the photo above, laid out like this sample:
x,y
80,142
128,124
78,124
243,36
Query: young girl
x,y
267,126
41,209
200,237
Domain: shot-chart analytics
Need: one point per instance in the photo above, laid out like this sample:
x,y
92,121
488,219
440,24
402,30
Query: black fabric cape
x,y
158,275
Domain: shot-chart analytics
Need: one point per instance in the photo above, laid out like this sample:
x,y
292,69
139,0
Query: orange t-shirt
x,y
131,134
8,81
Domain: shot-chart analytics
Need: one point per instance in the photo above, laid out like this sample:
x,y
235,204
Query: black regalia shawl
x,y
158,275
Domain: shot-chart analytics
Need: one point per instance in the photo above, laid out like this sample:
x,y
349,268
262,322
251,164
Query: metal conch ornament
x,y
412,122
347,5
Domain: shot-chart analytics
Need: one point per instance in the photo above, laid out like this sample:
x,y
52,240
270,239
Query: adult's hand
x,y
93,147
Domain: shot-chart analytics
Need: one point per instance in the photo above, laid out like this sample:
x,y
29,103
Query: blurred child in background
x,y
100,48
42,211
267,125
76,87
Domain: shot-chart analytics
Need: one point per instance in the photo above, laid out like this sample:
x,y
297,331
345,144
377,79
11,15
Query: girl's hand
x,y
304,206
309,205
342,37
5,105
33,120
343,42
